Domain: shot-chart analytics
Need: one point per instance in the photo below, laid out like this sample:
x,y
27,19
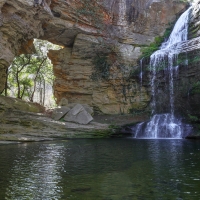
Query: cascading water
x,y
141,71
166,125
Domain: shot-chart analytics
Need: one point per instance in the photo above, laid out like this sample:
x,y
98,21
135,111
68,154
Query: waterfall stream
x,y
166,125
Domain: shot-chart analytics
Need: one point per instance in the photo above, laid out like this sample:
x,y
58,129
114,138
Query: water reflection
x,y
37,178
101,170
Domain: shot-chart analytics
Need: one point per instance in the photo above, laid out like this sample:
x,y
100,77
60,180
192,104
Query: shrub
x,y
101,68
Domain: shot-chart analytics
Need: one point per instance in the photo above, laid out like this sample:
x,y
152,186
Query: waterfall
x,y
141,77
166,125
168,54
141,71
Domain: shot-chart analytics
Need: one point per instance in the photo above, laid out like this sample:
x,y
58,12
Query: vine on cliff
x,y
108,65
101,70
92,12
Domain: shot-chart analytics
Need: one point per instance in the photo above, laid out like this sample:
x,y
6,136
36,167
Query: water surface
x,y
113,169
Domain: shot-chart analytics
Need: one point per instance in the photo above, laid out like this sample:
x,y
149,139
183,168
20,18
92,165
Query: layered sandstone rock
x,y
73,68
194,25
20,22
127,25
79,26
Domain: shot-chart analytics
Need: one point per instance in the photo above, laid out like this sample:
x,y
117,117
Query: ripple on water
x,y
101,169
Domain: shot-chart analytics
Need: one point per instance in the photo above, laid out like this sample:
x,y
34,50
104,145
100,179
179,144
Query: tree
x,y
30,74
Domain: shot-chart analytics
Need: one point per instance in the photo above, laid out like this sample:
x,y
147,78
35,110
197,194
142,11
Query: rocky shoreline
x,y
27,122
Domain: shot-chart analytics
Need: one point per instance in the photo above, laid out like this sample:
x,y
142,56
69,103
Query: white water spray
x,y
166,125
168,54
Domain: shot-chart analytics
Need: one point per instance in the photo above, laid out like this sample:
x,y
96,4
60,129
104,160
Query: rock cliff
x,y
186,76
113,30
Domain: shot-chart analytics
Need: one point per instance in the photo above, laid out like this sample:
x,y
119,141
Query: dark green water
x,y
114,169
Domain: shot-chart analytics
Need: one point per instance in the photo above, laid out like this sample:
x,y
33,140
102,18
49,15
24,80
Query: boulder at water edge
x,y
78,114
88,109
58,113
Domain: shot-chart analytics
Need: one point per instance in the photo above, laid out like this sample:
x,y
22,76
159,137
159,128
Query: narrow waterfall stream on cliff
x,y
166,125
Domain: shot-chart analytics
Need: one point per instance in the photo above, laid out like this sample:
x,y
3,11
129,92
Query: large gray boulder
x,y
58,113
78,114
88,108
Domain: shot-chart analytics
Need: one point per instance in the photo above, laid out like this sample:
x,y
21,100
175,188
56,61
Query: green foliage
x,y
182,1
196,59
147,51
193,118
195,88
101,70
154,46
135,72
31,73
168,31
113,126
181,59
192,58
19,77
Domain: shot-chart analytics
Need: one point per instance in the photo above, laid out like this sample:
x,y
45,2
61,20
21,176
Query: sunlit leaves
x,y
31,73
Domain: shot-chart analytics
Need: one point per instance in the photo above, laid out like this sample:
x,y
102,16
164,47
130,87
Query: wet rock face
x,y
128,24
194,27
149,17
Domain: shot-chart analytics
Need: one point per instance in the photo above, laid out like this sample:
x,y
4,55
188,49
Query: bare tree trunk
x,y
44,92
40,96
18,85
23,90
6,84
35,79
17,78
